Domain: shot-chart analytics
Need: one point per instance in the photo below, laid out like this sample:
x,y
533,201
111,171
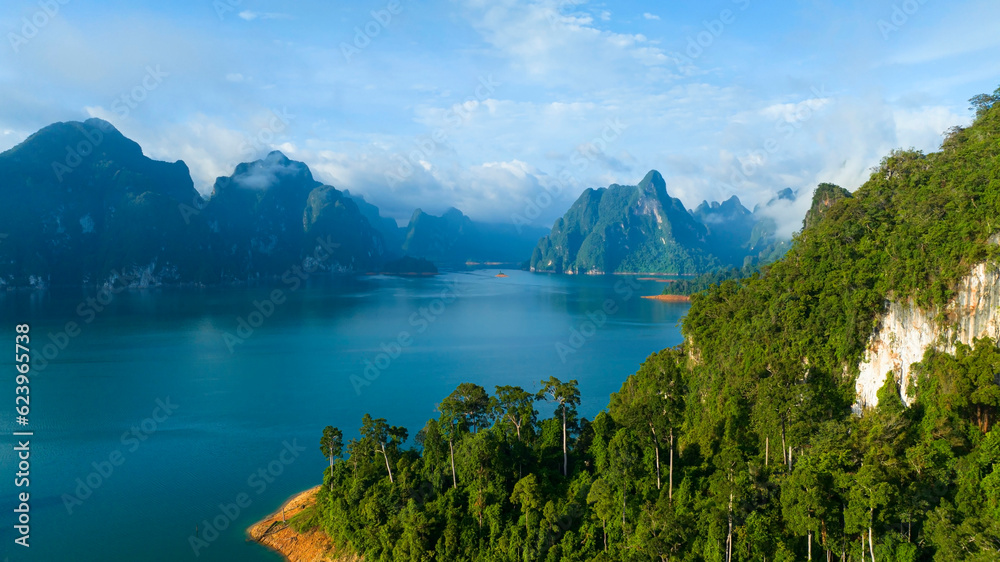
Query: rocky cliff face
x,y
905,332
627,229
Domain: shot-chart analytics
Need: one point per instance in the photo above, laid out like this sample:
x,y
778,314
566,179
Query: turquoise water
x,y
163,418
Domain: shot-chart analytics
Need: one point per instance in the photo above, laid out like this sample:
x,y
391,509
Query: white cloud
x,y
563,76
923,127
250,15
794,112
558,47
650,16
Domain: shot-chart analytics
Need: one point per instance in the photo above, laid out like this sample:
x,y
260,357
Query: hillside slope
x,y
86,204
454,239
626,229
92,209
741,444
642,229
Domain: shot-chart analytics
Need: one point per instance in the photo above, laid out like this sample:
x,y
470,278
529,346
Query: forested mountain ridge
x,y
455,239
83,197
92,209
642,229
741,444
625,229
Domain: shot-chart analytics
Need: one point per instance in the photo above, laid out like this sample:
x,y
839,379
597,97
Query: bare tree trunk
x,y
767,449
789,458
670,493
386,457
656,448
454,482
871,543
565,456
729,539
810,534
517,426
784,460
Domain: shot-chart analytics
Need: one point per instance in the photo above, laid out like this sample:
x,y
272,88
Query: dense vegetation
x,y
692,285
626,229
740,445
825,195
94,210
642,229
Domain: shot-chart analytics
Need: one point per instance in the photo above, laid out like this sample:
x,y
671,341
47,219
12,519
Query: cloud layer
x,y
495,106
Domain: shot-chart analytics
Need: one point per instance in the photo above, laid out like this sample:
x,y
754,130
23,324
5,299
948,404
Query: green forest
x,y
740,444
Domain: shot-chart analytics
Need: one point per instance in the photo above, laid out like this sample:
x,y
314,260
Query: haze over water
x,y
236,411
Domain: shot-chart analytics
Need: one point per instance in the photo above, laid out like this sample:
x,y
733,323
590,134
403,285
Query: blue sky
x,y
492,105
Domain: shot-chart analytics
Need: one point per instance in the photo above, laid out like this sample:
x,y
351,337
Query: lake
x,y
165,404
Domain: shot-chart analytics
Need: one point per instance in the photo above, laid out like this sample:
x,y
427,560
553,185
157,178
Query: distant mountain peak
x,y
653,182
69,140
787,194
732,202
653,177
277,156
274,170
106,126
825,196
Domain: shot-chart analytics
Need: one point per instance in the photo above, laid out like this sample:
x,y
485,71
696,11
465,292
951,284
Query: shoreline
x,y
668,298
311,546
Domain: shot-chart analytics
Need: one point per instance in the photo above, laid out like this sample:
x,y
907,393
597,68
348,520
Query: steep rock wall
x,y
905,332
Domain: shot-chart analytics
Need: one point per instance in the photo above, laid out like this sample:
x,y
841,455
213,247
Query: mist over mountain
x,y
92,209
390,230
642,229
455,239
271,213
85,204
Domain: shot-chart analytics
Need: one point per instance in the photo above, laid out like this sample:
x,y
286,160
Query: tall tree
x,y
527,495
603,500
515,405
567,397
984,102
471,405
332,446
383,438
624,457
652,402
468,405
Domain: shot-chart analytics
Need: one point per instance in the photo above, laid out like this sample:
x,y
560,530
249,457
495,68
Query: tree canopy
x,y
752,415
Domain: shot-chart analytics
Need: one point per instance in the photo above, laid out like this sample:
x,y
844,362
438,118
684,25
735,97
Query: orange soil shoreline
x,y
668,298
311,546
